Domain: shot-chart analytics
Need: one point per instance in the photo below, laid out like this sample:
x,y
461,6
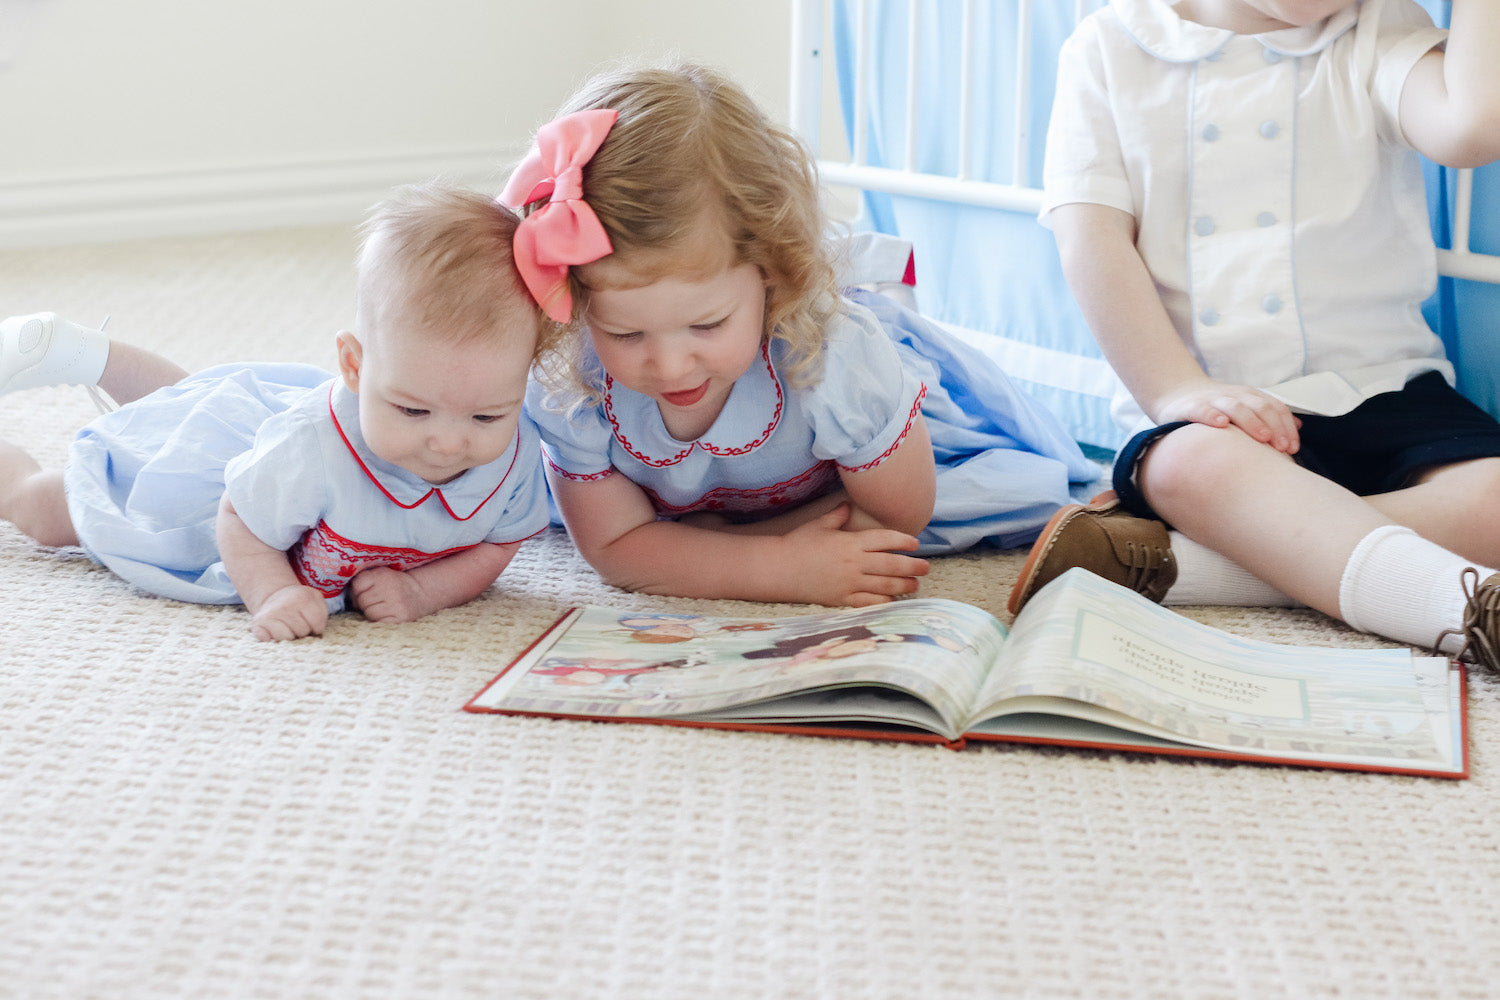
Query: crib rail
x,y
1023,192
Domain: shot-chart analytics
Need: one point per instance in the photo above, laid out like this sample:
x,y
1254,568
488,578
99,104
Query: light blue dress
x,y
1005,464
144,482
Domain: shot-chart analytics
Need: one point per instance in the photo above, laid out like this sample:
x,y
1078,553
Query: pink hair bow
x,y
565,231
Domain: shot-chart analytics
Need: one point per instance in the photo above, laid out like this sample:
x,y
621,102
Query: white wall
x,y
149,117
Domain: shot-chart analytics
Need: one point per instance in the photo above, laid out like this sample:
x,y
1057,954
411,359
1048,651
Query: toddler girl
x,y
721,420
406,482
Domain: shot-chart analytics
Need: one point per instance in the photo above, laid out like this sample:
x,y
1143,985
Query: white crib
x,y
969,178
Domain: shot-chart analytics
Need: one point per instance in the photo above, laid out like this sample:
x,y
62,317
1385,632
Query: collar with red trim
x,y
750,414
462,498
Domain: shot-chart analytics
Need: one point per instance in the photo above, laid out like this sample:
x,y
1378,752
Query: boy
x,y
1239,209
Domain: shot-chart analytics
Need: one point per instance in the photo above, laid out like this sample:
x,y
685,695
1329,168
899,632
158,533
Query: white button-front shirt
x,y
1279,207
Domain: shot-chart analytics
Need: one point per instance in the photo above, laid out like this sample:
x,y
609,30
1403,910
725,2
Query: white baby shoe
x,y
45,349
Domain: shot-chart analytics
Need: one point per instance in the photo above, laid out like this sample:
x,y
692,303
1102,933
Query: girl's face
x,y
1248,17
436,409
682,341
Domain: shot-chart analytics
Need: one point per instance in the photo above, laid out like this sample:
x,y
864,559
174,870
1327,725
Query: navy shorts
x,y
1379,446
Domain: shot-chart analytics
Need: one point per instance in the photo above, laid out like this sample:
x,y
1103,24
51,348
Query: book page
x,y
1122,660
618,663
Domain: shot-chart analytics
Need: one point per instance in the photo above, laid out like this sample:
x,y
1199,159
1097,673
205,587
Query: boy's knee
x,y
1189,464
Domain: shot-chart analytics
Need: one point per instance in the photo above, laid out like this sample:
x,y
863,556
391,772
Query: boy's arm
x,y
383,594
1120,303
1450,105
615,528
281,607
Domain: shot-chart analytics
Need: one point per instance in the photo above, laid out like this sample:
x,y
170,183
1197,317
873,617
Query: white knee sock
x,y
1404,587
1205,577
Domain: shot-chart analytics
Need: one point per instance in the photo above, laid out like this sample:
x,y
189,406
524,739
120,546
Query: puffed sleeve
x,y
1406,34
1083,159
279,487
575,438
867,398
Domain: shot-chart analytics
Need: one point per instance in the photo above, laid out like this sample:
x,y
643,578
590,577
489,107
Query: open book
x,y
1087,663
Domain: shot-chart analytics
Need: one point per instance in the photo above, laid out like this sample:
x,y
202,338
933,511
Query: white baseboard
x,y
108,207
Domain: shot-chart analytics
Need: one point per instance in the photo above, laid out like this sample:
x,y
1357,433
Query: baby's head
x,y
695,178
444,332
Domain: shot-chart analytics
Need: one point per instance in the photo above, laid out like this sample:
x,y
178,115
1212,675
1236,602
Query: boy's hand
x,y
383,594
290,613
1217,404
850,568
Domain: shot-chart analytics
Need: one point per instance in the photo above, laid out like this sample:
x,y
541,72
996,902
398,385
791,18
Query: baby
x,y
400,486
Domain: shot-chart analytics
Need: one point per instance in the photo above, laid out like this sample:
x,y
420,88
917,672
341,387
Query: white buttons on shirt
x,y
1269,129
1266,219
1271,304
1210,133
1209,316
1204,226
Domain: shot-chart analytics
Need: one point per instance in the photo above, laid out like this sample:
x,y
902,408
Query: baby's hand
x,y
290,613
383,594
1259,414
850,568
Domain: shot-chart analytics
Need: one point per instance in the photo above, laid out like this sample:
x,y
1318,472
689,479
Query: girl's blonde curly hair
x,y
691,146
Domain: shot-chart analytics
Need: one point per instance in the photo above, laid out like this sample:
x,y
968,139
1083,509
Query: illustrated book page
x,y
1086,662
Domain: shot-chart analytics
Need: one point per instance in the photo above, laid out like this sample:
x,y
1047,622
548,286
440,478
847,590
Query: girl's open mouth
x,y
686,397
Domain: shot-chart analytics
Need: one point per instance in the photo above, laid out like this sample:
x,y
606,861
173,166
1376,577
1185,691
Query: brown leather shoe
x,y
1481,628
1132,551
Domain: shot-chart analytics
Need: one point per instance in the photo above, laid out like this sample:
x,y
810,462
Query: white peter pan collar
x,y
1156,28
462,498
750,414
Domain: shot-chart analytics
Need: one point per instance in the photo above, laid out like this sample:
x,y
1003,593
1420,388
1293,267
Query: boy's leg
x,y
1206,577
1455,505
1254,505
1315,540
32,498
1118,537
1139,553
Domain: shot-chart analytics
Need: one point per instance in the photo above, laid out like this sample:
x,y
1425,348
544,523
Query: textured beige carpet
x,y
185,813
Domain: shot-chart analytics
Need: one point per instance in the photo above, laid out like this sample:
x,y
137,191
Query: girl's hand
x,y
1259,414
383,594
828,565
290,613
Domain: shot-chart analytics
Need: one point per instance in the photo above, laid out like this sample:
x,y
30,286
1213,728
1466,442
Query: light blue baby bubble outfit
x,y
144,483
